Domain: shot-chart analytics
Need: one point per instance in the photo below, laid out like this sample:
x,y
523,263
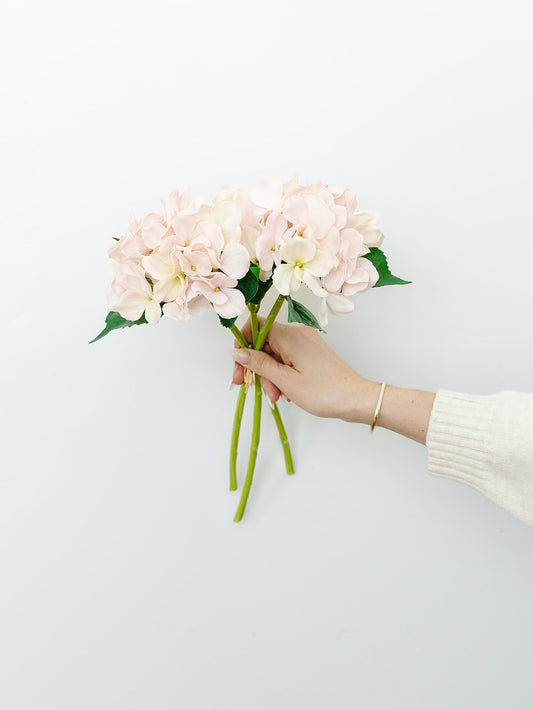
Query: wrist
x,y
362,398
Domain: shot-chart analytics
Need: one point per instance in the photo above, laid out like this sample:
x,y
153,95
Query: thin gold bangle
x,y
378,406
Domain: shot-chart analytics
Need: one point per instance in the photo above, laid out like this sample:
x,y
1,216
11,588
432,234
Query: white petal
x,y
314,284
153,311
298,250
156,267
322,315
285,279
168,289
322,263
176,310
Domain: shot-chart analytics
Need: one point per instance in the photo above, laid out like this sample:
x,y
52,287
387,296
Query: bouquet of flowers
x,y
227,253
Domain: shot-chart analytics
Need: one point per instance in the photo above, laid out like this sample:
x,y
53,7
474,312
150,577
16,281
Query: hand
x,y
298,363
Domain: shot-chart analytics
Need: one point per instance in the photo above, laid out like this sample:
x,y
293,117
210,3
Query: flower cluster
x,y
313,234
190,254
229,252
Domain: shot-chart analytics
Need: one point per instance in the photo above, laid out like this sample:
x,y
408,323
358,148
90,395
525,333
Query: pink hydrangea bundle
x,y
228,252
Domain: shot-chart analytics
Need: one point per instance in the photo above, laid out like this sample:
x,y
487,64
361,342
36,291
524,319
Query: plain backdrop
x,y
362,581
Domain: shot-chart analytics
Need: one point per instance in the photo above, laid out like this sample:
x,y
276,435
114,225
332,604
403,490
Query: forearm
x,y
404,411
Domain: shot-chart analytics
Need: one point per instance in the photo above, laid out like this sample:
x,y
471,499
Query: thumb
x,y
261,363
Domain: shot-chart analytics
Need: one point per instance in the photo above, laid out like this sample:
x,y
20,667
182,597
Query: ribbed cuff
x,y
459,439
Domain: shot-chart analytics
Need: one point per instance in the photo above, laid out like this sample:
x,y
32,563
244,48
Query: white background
x,y
362,581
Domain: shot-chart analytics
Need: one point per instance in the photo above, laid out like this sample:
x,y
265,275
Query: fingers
x,y
263,364
238,375
269,388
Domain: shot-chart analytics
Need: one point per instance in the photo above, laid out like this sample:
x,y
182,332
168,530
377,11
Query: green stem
x,y
267,325
235,438
253,321
258,345
284,440
253,450
239,336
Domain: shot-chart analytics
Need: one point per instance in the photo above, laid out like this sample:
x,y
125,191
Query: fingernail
x,y
241,355
232,385
270,402
284,398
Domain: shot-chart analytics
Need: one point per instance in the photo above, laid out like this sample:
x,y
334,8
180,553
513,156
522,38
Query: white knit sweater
x,y
485,441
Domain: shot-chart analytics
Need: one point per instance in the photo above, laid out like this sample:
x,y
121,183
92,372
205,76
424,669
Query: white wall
x,y
362,581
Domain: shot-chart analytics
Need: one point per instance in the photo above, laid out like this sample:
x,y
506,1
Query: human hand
x,y
297,362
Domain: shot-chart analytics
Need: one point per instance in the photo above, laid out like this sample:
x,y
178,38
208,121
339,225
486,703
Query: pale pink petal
x,y
234,305
264,250
196,262
276,225
373,275
212,293
131,305
361,279
336,277
366,224
338,303
197,305
351,243
309,212
153,234
235,261
267,193
183,228
212,233
177,310
125,249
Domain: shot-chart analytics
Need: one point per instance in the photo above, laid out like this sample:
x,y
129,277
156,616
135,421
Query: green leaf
x,y
114,321
262,288
116,239
227,322
248,286
378,258
298,313
249,283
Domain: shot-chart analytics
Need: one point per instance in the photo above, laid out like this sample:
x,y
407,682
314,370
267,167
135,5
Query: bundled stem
x,y
239,336
269,321
289,465
235,438
258,341
253,450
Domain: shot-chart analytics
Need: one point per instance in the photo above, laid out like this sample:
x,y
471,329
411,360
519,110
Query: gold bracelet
x,y
378,406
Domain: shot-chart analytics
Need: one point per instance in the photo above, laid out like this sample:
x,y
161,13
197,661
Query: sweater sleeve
x,y
485,441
